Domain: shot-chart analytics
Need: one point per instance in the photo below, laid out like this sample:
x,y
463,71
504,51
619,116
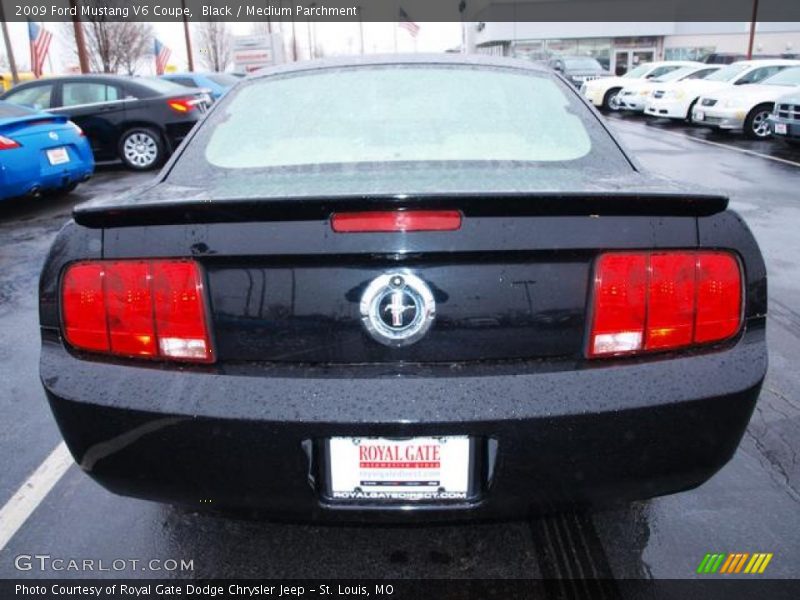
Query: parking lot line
x,y
726,146
31,493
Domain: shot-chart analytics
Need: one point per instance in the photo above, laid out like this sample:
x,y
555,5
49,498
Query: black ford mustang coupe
x,y
399,287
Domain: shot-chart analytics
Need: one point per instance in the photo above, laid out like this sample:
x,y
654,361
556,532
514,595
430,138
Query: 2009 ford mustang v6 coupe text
x,y
384,287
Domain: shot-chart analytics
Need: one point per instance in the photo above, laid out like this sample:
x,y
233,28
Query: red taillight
x,y
396,220
650,301
182,105
7,143
139,308
77,129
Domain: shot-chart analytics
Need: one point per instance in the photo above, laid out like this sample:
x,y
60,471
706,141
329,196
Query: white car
x,y
675,100
601,92
746,108
634,95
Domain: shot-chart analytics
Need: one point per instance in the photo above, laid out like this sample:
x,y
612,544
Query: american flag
x,y
162,57
404,21
40,43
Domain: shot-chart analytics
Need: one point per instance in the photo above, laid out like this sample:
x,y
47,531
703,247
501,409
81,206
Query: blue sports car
x,y
216,83
40,152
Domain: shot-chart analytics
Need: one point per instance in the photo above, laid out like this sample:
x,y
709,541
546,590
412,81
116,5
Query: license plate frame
x,y
57,156
381,492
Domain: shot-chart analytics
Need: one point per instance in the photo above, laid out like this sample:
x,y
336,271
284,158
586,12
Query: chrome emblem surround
x,y
397,308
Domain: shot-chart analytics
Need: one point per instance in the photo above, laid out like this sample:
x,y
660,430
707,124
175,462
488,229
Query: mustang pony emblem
x,y
397,309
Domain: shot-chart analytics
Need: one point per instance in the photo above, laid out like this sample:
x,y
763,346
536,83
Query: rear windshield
x,y
12,110
161,86
385,118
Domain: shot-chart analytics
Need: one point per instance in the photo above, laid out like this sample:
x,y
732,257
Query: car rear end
x,y
182,112
459,350
176,108
40,152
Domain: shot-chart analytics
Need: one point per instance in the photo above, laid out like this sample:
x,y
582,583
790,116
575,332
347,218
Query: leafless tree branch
x,y
114,46
214,41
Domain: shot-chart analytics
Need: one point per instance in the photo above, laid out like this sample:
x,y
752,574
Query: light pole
x,y
752,30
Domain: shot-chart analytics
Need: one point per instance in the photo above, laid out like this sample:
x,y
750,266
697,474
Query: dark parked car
x,y
784,122
578,69
474,307
139,120
723,58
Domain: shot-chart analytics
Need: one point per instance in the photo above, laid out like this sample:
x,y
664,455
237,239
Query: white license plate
x,y
58,156
780,128
410,469
699,115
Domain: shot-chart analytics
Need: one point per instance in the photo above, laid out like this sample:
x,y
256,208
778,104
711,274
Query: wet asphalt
x,y
751,505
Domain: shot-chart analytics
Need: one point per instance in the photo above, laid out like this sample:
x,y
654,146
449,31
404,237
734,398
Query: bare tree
x,y
115,46
215,45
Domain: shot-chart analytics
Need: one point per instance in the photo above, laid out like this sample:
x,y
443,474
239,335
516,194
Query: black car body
x,y
785,118
116,112
342,303
578,69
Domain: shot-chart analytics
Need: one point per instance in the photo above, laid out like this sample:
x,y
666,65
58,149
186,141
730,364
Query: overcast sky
x,y
335,38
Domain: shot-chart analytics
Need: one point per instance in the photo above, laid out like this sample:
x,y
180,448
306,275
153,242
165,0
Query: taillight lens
x,y
77,129
396,220
651,301
137,308
182,105
7,143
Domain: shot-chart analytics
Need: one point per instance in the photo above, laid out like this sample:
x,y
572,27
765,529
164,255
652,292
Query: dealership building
x,y
620,46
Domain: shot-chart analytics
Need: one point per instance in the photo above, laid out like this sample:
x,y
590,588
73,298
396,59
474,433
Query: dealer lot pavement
x,y
750,506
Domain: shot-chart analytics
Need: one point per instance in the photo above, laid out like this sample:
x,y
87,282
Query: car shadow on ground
x,y
560,545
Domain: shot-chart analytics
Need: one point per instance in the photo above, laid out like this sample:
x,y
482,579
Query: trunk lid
x,y
512,283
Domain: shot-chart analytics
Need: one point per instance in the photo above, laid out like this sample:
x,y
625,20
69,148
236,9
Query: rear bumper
x,y
612,432
176,131
29,174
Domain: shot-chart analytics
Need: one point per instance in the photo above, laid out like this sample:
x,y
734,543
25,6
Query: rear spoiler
x,y
46,117
488,205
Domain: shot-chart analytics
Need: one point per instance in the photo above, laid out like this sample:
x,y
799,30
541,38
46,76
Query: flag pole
x,y
30,50
9,50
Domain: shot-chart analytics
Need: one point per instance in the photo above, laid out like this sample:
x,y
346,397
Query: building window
x,y
690,53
